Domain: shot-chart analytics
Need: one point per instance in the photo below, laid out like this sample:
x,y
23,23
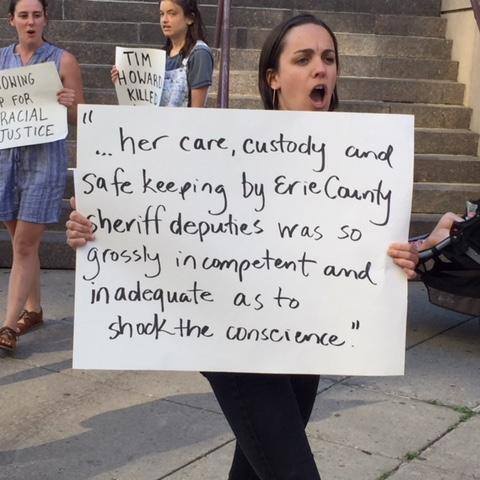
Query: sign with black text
x,y
246,241
29,111
141,73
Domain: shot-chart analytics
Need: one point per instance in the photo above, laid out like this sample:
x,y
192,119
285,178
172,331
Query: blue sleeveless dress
x,y
32,178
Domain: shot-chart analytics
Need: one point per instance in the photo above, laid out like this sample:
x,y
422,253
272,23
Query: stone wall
x,y
463,30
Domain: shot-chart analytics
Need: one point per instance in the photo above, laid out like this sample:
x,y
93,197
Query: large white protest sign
x,y
246,241
141,75
29,111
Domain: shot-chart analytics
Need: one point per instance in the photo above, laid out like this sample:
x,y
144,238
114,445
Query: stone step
x,y
129,11
427,116
244,16
419,26
397,46
98,75
423,223
365,88
356,43
447,168
446,141
391,67
398,7
103,55
68,30
394,45
149,34
61,9
442,197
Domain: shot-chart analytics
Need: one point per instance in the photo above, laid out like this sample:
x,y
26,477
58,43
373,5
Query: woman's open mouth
x,y
318,93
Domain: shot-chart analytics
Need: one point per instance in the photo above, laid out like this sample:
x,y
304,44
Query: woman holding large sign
x,y
268,413
189,64
32,178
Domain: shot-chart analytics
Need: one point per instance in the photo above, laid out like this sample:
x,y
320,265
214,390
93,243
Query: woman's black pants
x,y
268,415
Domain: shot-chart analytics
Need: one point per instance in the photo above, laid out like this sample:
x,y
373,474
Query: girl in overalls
x,y
189,65
32,178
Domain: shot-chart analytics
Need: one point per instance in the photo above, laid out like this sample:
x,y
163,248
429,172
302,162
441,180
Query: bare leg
x,y
25,275
33,302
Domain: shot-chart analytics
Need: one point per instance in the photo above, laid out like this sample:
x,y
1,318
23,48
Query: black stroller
x,y
451,269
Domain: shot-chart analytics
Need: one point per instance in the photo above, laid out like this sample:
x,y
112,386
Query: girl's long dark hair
x,y
195,31
13,5
273,48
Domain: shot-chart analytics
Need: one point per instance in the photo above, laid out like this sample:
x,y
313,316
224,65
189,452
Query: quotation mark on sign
x,y
87,117
356,325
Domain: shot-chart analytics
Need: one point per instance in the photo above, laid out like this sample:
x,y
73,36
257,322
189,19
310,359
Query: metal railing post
x,y
223,18
218,29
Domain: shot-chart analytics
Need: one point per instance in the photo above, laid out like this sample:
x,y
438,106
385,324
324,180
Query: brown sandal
x,y
8,339
29,321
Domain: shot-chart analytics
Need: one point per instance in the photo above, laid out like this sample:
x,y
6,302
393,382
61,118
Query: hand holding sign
x,y
66,97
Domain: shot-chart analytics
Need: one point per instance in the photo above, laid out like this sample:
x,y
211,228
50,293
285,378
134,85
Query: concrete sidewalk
x,y
57,423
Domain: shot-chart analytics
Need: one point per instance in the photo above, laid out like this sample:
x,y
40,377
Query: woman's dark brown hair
x,y
195,30
13,5
273,48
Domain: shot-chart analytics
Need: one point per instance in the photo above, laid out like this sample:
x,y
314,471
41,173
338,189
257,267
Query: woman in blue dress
x,y
32,178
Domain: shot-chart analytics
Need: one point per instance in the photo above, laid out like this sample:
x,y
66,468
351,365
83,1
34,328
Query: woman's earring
x,y
274,98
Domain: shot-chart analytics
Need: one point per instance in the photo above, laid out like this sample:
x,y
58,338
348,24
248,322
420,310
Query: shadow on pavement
x,y
162,430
